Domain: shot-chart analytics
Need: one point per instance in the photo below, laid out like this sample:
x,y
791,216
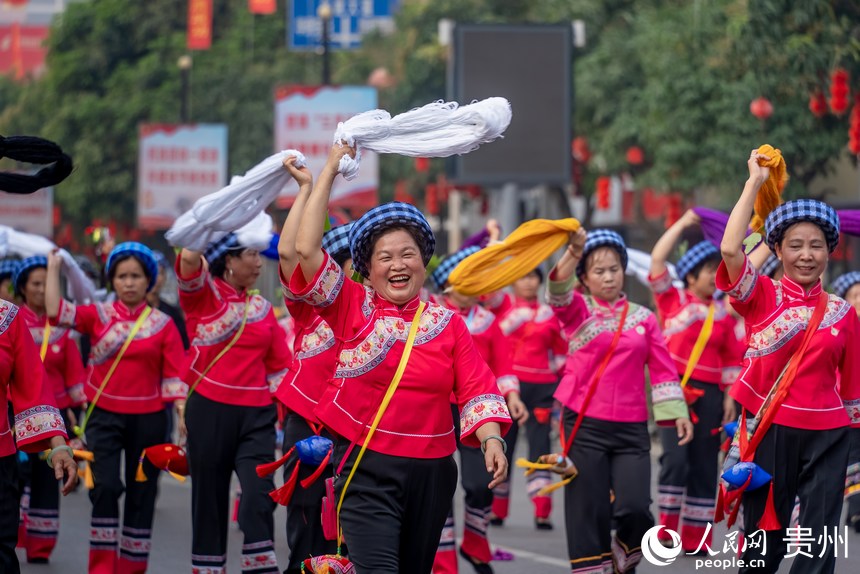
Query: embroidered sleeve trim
x,y
661,283
8,311
38,422
560,293
508,384
562,300
666,391
327,285
275,379
173,388
482,409
853,409
745,284
194,283
67,313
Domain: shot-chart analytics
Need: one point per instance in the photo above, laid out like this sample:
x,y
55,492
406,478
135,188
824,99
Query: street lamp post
x,y
324,13
184,64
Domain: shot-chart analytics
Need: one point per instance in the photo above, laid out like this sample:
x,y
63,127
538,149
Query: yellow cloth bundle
x,y
770,195
499,265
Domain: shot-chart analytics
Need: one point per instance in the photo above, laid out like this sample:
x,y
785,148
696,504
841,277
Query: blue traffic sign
x,y
350,20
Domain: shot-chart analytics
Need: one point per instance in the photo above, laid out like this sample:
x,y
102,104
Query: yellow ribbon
x,y
499,265
43,352
699,347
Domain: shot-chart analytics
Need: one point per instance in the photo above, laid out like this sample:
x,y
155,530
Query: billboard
x,y
32,213
22,50
176,166
306,118
350,20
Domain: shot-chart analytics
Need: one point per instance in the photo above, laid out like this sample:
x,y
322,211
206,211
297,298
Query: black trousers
x,y
608,455
304,525
10,495
809,464
108,435
853,479
689,473
224,438
538,397
394,509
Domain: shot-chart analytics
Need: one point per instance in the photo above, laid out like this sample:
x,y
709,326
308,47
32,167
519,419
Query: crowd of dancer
x,y
372,341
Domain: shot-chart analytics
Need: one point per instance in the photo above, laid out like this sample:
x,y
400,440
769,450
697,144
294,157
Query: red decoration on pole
x,y
818,104
579,149
761,108
422,164
673,214
854,127
431,199
602,192
839,91
262,6
199,24
635,155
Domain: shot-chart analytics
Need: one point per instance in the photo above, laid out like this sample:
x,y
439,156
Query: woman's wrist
x,y
55,450
495,437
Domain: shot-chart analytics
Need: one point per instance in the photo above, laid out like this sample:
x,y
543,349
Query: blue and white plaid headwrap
x,y
380,218
335,241
8,267
143,254
219,248
844,282
24,267
694,256
162,261
770,266
799,211
440,275
602,238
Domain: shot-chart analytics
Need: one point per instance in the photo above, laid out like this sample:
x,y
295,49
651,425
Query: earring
x,y
230,269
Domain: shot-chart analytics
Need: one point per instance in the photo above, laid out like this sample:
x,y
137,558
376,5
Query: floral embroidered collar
x,y
609,309
406,311
795,291
228,292
126,312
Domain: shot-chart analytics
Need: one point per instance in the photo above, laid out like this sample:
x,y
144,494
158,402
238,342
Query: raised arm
x,y
667,242
289,259
732,246
52,285
312,225
190,262
565,267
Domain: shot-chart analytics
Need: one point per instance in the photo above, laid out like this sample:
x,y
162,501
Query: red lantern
x,y
839,91
603,193
422,164
854,127
635,155
579,149
761,108
818,104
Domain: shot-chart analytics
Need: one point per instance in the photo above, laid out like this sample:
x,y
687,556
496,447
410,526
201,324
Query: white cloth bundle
x,y
234,206
257,234
80,287
439,129
639,266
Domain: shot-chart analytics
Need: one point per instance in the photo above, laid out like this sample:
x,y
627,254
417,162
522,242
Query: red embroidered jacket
x,y
22,379
373,332
147,375
64,368
535,337
682,316
826,391
253,368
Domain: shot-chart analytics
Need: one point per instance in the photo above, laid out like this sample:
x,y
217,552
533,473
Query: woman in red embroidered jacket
x,y
495,349
64,374
38,425
135,362
394,510
538,356
238,358
805,450
611,448
688,474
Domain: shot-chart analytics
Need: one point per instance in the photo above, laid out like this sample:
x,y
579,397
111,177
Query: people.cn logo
x,y
655,552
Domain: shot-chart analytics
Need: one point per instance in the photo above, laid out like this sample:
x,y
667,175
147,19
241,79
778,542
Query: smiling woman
x,y
406,471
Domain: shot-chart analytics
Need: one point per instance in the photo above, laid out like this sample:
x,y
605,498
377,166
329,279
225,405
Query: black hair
x,y
119,259
218,267
23,277
710,260
33,150
340,257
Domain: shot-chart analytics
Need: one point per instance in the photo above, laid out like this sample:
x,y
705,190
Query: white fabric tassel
x,y
639,266
234,206
439,129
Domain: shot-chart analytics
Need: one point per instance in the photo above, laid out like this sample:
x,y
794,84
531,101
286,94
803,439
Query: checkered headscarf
x,y
219,248
8,267
336,242
440,275
844,282
799,211
23,271
770,266
141,252
388,216
602,238
694,256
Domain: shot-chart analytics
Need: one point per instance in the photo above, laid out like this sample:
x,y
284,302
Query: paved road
x,y
536,552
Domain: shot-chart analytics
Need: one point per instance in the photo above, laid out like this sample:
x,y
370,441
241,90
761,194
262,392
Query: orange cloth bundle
x,y
770,195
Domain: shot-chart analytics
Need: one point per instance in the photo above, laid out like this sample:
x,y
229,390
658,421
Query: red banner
x,y
262,6
22,50
199,24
